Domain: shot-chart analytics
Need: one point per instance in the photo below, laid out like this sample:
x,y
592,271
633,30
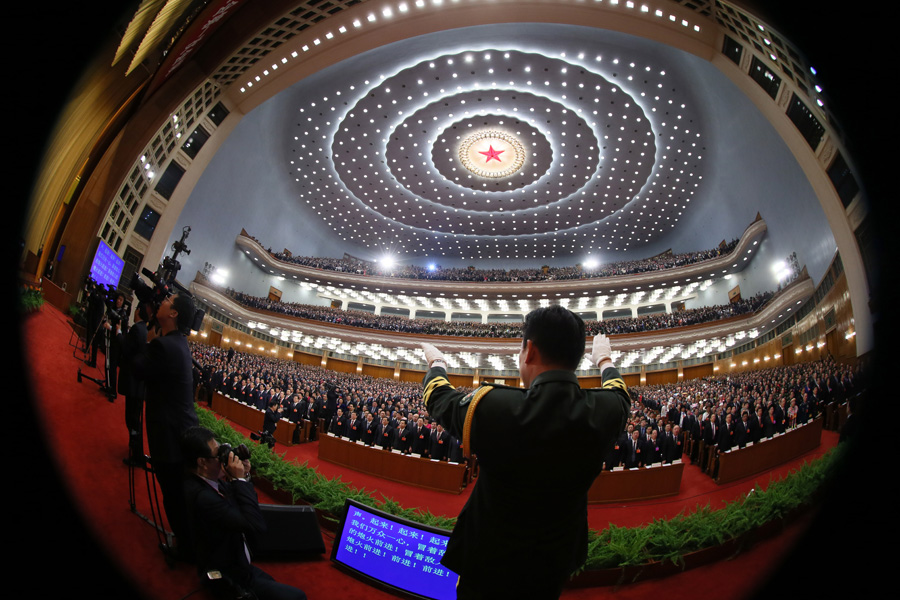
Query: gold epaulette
x,y
477,395
432,385
616,382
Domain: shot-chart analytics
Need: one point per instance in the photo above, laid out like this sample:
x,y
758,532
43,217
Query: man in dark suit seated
x,y
224,515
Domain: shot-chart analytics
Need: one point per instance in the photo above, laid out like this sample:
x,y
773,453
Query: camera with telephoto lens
x,y
242,451
164,283
106,295
153,295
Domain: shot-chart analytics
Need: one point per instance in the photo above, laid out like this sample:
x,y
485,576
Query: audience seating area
x,y
790,405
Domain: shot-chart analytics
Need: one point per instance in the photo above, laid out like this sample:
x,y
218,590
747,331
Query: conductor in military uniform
x,y
523,530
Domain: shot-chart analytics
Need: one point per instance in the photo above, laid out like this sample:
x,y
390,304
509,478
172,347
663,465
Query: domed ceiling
x,y
504,145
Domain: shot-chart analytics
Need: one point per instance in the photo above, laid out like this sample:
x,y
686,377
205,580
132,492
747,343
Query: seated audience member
x,y
224,515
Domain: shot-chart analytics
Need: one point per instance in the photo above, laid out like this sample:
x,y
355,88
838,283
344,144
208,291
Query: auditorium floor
x,y
85,438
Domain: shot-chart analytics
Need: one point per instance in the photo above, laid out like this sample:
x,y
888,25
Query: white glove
x,y
432,354
601,351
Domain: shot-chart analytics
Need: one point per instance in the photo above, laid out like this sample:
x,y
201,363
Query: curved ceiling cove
x,y
515,150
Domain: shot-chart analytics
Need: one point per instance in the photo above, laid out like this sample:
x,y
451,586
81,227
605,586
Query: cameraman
x,y
223,512
133,350
167,371
116,317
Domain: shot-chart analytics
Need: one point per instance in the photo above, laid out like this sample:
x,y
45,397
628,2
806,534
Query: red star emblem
x,y
491,153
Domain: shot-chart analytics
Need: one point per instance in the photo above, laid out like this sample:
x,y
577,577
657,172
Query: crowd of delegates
x,y
729,411
614,326
726,411
347,264
379,412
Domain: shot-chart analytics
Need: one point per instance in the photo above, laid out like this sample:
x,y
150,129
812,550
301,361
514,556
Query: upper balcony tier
x,y
511,290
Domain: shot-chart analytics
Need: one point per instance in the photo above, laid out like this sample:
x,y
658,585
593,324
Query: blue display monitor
x,y
393,552
107,266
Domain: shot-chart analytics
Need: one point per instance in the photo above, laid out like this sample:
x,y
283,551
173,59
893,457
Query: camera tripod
x,y
104,381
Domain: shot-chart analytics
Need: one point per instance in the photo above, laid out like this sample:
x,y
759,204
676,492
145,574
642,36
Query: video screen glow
x,y
394,551
107,266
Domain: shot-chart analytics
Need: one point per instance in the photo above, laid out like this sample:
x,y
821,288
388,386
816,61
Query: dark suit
x,y
403,439
270,421
710,433
726,437
631,453
614,457
355,429
339,425
438,444
420,440
652,452
368,437
551,422
167,371
134,351
742,433
223,520
675,449
384,436
667,447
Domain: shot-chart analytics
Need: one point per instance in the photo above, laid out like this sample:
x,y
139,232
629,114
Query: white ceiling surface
x,y
738,167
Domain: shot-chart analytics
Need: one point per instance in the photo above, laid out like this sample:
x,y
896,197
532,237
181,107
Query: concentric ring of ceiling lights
x,y
386,173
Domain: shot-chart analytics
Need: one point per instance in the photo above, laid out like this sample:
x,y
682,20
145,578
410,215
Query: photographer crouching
x,y
224,516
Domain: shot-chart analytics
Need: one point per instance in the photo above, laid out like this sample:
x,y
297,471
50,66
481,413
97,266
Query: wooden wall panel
x,y
408,375
695,371
632,379
378,371
455,380
660,377
341,366
305,358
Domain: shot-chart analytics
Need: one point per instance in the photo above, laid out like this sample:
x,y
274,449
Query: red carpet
x,y
86,438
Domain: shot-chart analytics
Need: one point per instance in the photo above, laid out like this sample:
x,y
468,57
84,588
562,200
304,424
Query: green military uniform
x,y
539,451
